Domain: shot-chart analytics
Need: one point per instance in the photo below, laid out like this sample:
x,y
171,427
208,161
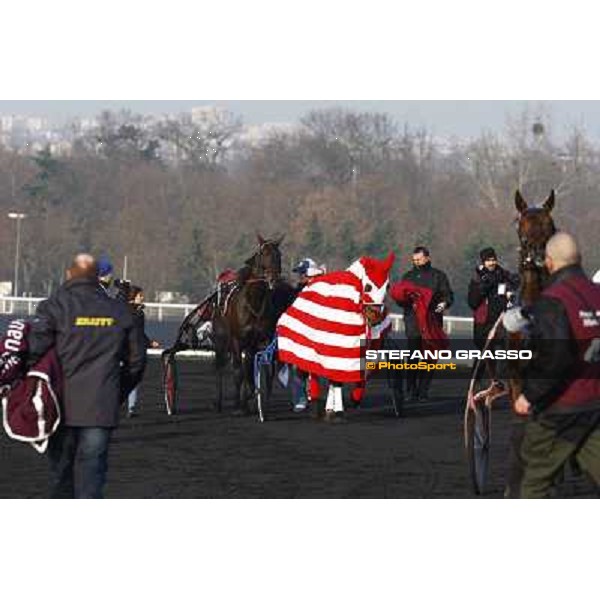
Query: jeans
x,y
132,400
78,461
298,385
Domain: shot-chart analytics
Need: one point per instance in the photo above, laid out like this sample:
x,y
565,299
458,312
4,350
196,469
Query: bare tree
x,y
203,140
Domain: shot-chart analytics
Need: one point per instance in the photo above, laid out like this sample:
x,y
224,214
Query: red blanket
x,y
432,334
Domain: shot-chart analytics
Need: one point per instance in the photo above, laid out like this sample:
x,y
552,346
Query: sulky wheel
x,y
170,382
478,422
264,391
396,393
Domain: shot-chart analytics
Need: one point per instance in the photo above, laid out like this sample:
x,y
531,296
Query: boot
x,y
423,386
317,408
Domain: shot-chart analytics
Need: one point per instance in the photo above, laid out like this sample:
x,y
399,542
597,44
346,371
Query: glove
x,y
441,307
487,283
515,320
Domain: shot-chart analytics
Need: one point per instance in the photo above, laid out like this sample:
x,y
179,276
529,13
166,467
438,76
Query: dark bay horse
x,y
246,321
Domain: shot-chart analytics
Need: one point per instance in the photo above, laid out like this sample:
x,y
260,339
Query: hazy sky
x,y
461,118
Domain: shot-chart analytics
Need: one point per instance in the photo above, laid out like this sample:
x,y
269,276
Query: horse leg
x,y
515,463
238,376
219,368
247,380
334,407
221,357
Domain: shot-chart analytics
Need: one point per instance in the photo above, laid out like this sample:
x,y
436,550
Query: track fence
x,y
171,314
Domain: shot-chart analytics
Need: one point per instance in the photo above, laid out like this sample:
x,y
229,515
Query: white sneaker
x,y
300,406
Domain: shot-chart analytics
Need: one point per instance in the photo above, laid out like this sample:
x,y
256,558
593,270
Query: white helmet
x,y
309,268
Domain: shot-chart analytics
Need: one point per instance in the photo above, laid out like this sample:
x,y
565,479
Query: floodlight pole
x,y
18,217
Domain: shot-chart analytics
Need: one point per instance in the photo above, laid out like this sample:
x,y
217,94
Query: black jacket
x,y
483,294
101,350
554,347
435,280
139,320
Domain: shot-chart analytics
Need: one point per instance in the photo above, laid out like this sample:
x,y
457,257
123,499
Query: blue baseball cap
x,y
105,268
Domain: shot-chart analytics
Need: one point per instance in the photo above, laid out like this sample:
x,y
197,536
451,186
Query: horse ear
x,y
549,204
260,239
520,203
279,239
389,261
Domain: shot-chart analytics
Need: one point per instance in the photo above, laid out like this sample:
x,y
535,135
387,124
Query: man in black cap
x,y
490,289
424,275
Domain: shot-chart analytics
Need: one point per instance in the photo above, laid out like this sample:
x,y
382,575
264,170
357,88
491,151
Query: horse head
x,y
374,275
535,227
266,261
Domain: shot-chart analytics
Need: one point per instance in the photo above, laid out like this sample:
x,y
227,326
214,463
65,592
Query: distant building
x,y
6,123
254,135
202,114
36,124
61,148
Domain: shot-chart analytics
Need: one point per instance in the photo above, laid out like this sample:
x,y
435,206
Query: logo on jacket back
x,y
589,318
94,321
14,336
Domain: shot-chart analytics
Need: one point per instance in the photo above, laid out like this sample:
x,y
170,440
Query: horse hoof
x,y
334,417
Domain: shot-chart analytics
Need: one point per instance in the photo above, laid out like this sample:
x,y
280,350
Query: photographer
x,y
490,290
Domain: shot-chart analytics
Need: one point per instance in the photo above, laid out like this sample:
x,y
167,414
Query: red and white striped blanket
x,y
321,332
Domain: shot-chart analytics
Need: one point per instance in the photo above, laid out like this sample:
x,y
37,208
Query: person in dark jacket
x,y
105,275
490,290
102,355
424,275
135,299
561,387
306,270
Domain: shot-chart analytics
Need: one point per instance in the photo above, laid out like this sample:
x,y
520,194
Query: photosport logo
x,y
455,362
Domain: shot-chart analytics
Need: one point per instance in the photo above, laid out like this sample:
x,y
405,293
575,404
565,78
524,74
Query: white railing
x,y
154,310
159,311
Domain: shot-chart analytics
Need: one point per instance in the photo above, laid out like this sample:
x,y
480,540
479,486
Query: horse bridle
x,y
532,256
257,263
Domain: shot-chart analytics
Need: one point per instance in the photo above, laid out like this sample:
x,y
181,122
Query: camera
x,y
123,287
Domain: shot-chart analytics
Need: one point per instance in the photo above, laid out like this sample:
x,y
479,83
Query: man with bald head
x,y
561,386
102,353
83,265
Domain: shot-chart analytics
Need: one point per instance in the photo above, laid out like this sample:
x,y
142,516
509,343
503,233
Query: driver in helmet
x,y
306,270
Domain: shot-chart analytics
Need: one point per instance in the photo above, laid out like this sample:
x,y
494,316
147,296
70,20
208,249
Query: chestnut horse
x,y
534,227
